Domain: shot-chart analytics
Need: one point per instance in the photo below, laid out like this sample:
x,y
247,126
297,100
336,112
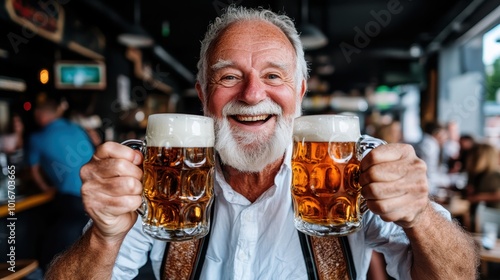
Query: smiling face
x,y
252,94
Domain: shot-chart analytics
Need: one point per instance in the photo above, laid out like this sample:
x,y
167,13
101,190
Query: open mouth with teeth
x,y
252,119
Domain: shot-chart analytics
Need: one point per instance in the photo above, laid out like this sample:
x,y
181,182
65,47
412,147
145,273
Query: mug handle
x,y
366,144
139,145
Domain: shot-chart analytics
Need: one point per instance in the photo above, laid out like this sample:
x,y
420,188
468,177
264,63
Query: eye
x,y
229,80
274,79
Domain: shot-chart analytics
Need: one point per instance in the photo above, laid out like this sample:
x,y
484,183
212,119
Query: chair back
x,y
486,214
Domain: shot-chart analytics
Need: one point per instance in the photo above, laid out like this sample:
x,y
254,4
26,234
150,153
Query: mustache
x,y
265,107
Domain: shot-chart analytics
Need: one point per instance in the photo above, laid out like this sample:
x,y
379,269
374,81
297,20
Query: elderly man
x,y
251,80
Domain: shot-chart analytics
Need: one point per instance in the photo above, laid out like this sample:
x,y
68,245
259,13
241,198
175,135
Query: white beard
x,y
249,152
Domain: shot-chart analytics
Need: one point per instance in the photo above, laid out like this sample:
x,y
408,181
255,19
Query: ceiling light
x,y
13,84
136,37
415,50
311,37
135,40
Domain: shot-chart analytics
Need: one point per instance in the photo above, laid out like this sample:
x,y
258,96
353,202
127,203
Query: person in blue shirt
x,y
56,153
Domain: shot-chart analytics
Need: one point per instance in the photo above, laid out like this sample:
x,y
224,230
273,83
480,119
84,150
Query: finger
x,y
401,210
114,187
385,190
113,196
397,204
108,168
385,172
386,153
112,206
396,177
406,167
115,150
384,207
414,183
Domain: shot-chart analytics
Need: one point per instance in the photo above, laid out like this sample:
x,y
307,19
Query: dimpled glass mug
x,y
327,151
178,177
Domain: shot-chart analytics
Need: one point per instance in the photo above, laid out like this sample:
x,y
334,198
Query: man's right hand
x,y
112,189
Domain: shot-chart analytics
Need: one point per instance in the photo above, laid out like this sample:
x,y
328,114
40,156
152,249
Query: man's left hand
x,y
394,182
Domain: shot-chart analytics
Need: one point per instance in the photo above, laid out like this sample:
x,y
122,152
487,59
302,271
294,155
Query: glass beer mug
x,y
327,151
178,177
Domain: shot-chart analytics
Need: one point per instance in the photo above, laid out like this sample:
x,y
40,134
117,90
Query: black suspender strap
x,y
306,246
204,246
351,269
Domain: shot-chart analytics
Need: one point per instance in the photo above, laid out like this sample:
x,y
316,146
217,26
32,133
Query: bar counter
x,y
28,213
25,202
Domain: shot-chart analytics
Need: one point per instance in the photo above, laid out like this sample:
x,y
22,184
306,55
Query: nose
x,y
253,91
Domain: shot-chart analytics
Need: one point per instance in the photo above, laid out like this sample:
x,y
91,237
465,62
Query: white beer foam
x,y
326,128
179,130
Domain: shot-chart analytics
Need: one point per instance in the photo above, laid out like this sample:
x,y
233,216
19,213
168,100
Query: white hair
x,y
235,14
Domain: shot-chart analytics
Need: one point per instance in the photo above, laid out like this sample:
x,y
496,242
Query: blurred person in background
x,y
451,146
482,166
56,152
11,153
456,165
466,142
430,149
13,140
390,132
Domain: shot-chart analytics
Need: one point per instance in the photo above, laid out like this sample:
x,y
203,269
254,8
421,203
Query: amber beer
x,y
178,189
325,175
178,176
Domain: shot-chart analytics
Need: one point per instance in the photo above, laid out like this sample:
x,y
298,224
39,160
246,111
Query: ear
x,y
200,92
303,89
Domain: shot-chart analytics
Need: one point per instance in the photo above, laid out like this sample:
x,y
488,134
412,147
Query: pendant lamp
x,y
311,36
136,37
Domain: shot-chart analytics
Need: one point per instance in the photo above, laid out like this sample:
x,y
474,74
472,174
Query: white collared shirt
x,y
254,240
259,241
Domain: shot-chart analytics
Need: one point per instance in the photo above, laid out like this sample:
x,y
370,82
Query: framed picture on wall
x,y
41,17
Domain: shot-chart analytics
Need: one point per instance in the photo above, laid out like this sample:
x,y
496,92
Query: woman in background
x,y
483,174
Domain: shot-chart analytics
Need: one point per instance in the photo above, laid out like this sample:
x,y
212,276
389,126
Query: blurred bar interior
x,y
116,62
